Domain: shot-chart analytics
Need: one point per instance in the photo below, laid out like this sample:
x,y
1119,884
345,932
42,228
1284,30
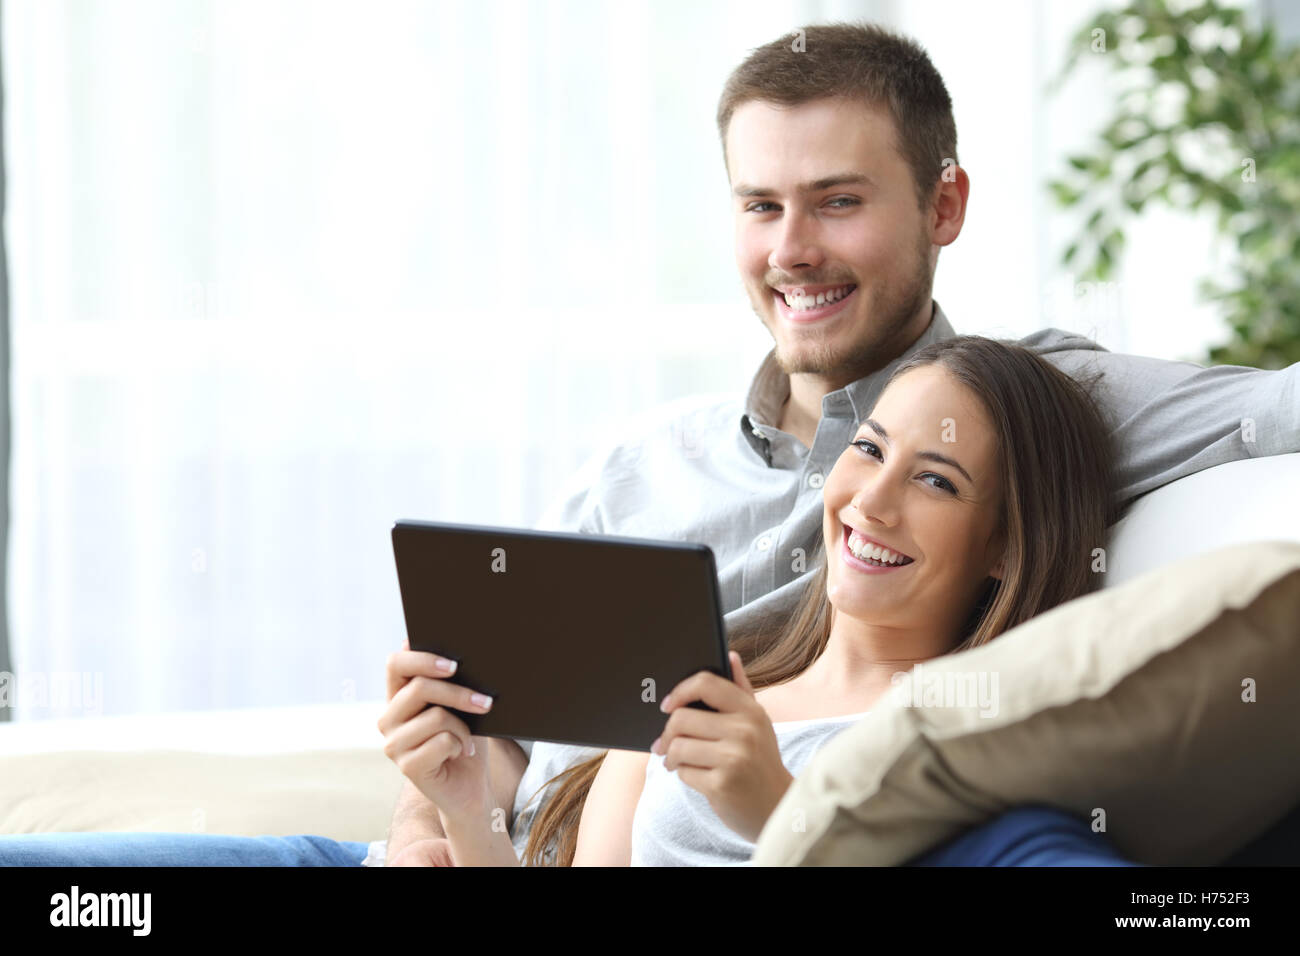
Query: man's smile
x,y
803,305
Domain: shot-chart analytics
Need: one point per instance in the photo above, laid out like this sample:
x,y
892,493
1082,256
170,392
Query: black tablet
x,y
576,637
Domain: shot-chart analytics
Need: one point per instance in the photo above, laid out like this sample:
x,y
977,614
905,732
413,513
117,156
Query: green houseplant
x,y
1208,117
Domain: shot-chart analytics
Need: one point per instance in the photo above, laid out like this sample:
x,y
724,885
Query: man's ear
x,y
948,208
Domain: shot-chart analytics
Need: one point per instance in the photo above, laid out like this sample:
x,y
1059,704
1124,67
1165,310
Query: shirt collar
x,y
771,387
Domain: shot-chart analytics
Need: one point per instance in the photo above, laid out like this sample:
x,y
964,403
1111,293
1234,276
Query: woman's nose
x,y
878,501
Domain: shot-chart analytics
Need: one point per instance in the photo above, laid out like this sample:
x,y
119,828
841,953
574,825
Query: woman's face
x,y
941,515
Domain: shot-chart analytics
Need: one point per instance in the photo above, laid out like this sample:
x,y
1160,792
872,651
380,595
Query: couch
x,y
319,769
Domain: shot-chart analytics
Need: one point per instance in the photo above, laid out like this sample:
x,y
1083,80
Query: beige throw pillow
x,y
1166,709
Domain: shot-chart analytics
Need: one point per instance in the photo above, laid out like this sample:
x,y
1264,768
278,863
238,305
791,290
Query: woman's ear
x,y
999,568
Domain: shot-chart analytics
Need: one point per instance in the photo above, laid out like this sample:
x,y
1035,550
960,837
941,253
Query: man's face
x,y
862,248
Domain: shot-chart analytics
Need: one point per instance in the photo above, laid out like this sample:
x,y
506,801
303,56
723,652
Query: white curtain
x,y
285,272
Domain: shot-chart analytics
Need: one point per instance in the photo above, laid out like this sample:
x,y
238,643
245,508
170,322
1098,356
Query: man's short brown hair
x,y
854,61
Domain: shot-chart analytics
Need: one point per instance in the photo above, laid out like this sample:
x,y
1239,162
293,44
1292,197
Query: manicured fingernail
x,y
482,700
471,748
446,665
654,747
663,704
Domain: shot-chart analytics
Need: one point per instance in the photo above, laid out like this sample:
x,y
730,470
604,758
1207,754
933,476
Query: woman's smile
x,y
867,565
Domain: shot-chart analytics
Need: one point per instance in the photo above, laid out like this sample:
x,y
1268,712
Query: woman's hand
x,y
431,745
731,756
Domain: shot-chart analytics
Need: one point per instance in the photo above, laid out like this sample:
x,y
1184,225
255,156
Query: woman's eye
x,y
945,485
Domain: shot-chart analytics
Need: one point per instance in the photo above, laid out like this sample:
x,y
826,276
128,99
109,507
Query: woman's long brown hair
x,y
1055,460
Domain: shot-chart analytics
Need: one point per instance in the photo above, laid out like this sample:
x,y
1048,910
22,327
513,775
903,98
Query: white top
x,y
674,824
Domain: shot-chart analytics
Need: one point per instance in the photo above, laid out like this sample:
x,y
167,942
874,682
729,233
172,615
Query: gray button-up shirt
x,y
720,472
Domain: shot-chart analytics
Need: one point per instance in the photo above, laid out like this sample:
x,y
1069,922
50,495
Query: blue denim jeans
x,y
175,849
1024,836
1027,836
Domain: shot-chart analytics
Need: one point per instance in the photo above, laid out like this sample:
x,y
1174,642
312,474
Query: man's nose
x,y
798,246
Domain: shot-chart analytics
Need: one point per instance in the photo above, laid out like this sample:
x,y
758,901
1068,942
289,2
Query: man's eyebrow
x,y
817,185
927,455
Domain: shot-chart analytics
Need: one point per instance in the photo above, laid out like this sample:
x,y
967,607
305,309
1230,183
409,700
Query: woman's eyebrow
x,y
927,455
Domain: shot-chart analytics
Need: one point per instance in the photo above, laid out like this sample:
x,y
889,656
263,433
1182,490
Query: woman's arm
x,y
605,831
475,841
481,837
506,763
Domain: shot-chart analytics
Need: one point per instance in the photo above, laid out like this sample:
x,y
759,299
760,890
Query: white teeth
x,y
864,550
800,302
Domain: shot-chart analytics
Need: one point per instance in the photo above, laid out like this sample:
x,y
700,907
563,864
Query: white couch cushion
x,y
273,771
1251,500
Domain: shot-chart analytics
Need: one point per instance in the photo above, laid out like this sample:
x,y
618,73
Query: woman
x,y
970,500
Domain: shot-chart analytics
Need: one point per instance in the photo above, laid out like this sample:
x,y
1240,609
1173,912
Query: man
x,y
841,155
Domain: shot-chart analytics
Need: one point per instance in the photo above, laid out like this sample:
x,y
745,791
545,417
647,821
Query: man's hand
x,y
414,819
730,756
434,852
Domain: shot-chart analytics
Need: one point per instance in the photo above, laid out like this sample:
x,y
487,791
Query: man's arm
x,y
414,819
1173,419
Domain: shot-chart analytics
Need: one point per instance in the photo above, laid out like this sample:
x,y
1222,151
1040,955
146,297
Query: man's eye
x,y
843,201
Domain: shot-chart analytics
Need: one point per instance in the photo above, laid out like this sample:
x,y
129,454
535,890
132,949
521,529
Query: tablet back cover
x,y
576,637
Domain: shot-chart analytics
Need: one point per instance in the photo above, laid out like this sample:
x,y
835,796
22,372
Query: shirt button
x,y
815,480
764,544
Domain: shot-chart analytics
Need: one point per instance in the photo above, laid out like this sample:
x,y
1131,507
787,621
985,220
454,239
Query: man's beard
x,y
876,346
